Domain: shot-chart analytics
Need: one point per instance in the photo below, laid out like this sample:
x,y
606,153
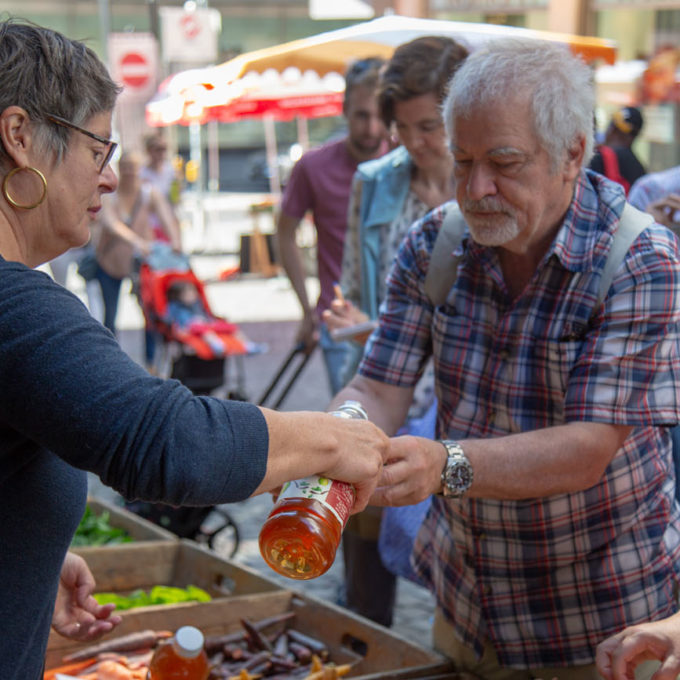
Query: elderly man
x,y
555,524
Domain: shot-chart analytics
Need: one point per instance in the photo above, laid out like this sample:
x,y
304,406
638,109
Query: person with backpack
x,y
553,523
615,158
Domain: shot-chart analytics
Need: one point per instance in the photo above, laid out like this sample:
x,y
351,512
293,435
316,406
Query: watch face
x,y
457,474
459,477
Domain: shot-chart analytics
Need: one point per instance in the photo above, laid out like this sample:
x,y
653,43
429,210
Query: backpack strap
x,y
610,161
631,224
443,268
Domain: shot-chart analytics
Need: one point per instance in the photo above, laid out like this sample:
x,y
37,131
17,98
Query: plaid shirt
x,y
546,579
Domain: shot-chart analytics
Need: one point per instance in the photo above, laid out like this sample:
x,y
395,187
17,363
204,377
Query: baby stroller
x,y
186,355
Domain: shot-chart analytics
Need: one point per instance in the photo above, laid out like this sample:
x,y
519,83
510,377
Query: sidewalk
x,y
268,312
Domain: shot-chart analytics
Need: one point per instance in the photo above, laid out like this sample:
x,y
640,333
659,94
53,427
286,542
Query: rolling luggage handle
x,y
298,349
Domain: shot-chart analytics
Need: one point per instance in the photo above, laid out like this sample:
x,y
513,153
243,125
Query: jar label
x,y
338,497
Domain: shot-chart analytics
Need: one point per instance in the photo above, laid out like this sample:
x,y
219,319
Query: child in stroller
x,y
194,342
187,314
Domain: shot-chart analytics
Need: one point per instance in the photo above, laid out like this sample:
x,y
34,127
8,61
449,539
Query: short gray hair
x,y
44,72
559,86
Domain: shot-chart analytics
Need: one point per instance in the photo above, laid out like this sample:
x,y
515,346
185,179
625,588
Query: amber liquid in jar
x,y
300,538
172,661
302,533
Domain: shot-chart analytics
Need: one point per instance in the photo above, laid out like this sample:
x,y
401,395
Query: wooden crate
x,y
384,654
179,562
139,528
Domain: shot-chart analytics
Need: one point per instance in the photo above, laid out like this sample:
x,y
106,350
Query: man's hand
x,y
618,656
76,613
412,473
363,449
308,332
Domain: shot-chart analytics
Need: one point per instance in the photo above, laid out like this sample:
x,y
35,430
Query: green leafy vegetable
x,y
157,595
95,530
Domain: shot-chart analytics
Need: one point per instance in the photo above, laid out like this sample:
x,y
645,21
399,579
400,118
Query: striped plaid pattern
x,y
546,579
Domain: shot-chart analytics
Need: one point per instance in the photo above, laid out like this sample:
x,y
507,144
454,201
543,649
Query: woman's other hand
x,y
77,615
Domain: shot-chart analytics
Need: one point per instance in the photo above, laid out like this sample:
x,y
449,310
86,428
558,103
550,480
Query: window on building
x,y
667,28
506,19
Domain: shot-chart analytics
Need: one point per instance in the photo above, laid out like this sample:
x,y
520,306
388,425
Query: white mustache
x,y
485,205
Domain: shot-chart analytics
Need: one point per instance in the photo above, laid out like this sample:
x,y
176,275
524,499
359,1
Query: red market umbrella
x,y
280,96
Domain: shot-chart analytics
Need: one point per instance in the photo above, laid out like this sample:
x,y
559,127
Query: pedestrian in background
x,y
320,183
129,226
615,158
158,170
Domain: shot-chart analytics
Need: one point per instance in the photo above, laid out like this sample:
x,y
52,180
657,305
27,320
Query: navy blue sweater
x,y
70,401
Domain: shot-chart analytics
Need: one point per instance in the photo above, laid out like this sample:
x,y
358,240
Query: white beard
x,y
495,231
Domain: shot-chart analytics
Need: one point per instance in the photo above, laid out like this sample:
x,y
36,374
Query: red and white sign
x,y
135,70
190,36
134,63
190,26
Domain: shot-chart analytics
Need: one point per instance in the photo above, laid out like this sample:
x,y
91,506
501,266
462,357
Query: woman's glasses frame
x,y
111,146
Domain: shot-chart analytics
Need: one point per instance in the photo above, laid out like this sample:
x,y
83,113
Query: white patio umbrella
x,y
233,88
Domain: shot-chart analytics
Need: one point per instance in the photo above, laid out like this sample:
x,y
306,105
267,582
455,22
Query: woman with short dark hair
x,y
70,400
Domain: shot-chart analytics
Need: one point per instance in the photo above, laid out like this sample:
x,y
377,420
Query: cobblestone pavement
x,y
266,310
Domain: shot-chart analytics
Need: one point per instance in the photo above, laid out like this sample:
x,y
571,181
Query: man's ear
x,y
574,158
16,134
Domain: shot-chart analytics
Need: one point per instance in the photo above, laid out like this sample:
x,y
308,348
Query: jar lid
x,y
189,641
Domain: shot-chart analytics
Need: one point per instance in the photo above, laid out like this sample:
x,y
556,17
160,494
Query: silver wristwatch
x,y
457,474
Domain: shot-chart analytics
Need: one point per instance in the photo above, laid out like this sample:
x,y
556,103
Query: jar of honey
x,y
302,533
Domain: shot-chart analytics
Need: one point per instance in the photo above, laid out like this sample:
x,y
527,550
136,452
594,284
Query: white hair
x,y
558,84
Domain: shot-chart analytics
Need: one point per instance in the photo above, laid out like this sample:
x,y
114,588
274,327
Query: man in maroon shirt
x,y
321,182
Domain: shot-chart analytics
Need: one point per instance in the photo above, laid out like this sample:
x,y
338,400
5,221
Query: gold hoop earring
x,y
11,201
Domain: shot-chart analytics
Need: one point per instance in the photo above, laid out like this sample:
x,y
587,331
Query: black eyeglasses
x,y
110,145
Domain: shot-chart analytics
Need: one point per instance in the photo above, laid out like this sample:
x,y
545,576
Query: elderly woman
x,y
70,399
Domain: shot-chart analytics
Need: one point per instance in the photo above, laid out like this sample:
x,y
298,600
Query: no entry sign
x,y
134,63
135,70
